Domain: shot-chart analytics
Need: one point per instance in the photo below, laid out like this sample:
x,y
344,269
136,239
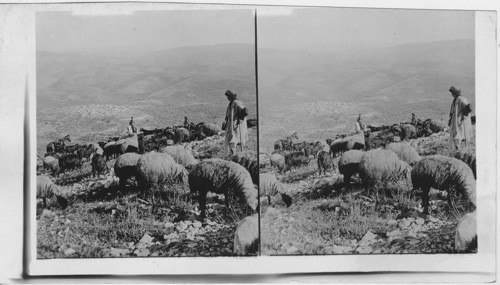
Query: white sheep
x,y
222,177
444,173
125,166
46,189
380,165
52,164
466,233
158,168
278,160
130,144
349,164
246,236
405,152
269,186
181,155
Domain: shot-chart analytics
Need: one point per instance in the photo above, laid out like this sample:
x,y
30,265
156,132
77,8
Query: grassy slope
x,y
326,218
110,221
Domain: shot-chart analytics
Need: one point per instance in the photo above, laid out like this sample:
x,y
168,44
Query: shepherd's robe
x,y
236,130
460,129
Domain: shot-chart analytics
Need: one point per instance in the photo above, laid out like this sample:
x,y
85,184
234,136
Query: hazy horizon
x,y
141,32
343,30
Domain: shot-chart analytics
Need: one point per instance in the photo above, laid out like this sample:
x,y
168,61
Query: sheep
x,y
349,164
435,126
158,168
355,142
46,189
408,132
264,160
466,233
125,166
325,162
468,157
296,159
52,164
98,164
178,135
130,144
249,163
211,129
444,173
299,146
180,155
337,146
405,152
222,177
68,162
278,144
111,150
381,165
246,236
269,186
314,148
278,160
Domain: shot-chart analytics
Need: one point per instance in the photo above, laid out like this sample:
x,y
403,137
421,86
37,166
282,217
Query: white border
x,y
20,30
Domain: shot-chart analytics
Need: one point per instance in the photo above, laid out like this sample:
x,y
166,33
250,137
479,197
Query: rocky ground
x,y
105,220
326,218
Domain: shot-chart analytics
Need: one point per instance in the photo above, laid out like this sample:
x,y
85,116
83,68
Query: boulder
x,y
466,233
246,236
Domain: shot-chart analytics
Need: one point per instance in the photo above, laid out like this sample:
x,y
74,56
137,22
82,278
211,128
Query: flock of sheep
x,y
379,155
166,163
156,158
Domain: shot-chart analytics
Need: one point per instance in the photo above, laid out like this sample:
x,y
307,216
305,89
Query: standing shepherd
x,y
131,128
360,126
235,124
413,120
459,123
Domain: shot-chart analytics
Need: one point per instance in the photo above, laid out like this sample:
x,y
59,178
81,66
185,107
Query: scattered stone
x,y
118,252
197,224
292,250
146,239
364,249
369,236
69,252
142,252
392,222
337,249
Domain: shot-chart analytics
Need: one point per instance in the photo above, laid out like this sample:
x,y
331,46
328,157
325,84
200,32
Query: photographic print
x,y
367,131
146,133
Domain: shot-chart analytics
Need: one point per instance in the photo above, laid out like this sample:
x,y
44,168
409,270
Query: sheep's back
x,y
349,161
378,165
126,163
44,187
220,176
405,152
180,155
155,167
442,172
268,184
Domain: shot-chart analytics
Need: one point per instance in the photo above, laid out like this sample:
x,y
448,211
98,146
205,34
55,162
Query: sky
x,y
345,29
141,31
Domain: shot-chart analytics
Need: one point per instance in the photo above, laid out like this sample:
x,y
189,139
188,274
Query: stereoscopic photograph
x,y
367,131
146,133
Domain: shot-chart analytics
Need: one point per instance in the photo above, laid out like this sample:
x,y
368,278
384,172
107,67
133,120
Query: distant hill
x,y
84,95
384,85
